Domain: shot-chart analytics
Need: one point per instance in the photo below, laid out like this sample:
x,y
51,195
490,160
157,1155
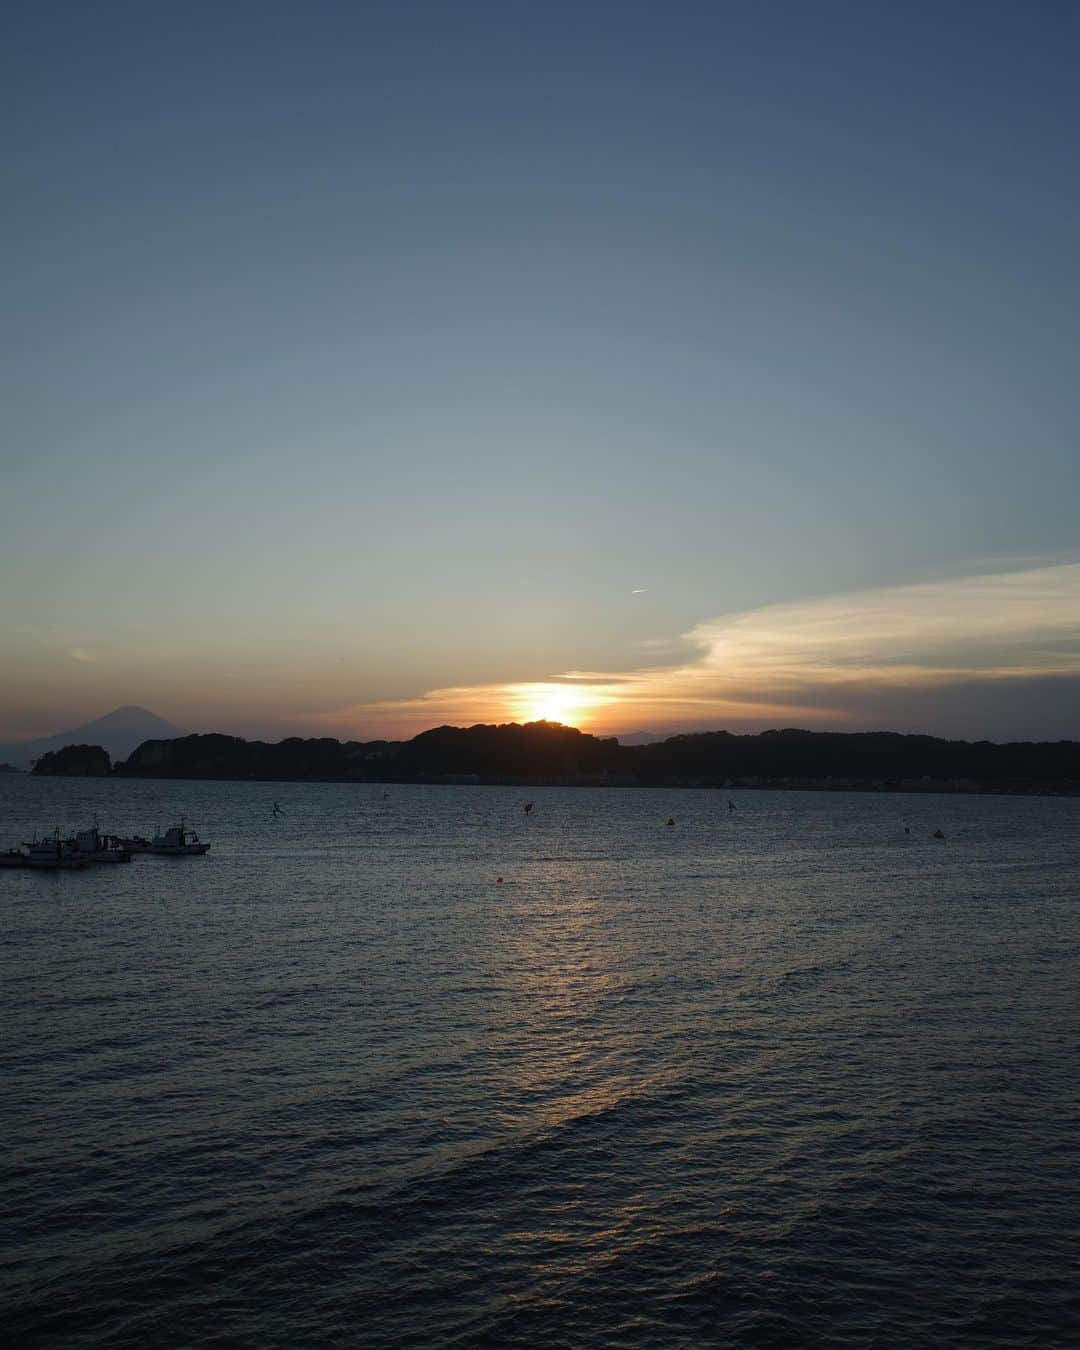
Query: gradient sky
x,y
368,366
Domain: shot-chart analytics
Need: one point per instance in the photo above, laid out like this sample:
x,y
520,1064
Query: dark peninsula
x,y
80,761
548,753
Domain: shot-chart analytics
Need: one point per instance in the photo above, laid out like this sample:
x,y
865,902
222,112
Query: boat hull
x,y
41,864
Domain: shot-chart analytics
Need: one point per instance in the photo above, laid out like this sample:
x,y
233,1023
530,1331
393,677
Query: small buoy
x,y
938,834
671,820
498,881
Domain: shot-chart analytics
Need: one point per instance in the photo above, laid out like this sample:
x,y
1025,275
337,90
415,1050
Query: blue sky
x,y
356,352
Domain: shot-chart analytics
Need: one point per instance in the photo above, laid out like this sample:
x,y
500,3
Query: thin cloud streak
x,y
830,661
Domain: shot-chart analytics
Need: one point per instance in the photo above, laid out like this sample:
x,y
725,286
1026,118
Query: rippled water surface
x,y
777,1076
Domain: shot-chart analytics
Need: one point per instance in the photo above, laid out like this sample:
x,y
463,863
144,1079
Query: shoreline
x,y
906,787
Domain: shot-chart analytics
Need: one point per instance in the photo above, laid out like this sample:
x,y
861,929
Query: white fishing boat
x,y
92,846
177,842
45,853
180,841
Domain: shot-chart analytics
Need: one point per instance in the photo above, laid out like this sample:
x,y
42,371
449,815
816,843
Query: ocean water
x,y
776,1076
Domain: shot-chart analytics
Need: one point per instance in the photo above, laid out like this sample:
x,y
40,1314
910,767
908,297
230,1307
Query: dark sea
x,y
777,1076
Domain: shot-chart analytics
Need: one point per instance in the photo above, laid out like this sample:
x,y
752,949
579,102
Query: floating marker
x,y
498,881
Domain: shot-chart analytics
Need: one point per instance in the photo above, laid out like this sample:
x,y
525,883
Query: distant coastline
x,y
549,754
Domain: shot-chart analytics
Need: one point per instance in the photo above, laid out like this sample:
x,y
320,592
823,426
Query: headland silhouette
x,y
537,753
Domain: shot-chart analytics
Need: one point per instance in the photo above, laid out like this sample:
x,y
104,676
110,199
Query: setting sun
x,y
551,703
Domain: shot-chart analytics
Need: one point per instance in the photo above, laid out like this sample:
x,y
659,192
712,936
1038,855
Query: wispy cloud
x,y
833,660
661,646
84,655
984,627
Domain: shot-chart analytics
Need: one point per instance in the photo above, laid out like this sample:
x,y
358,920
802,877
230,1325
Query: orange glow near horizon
x,y
551,702
827,661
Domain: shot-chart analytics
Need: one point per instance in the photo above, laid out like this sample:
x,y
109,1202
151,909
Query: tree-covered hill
x,y
547,752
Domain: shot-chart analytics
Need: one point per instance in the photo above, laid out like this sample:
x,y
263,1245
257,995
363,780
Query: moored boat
x,y
51,853
135,843
177,842
92,846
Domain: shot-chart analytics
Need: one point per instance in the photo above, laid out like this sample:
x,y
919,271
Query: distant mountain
x,y
641,737
118,732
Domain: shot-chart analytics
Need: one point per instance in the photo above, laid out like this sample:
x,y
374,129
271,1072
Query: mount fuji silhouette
x,y
119,732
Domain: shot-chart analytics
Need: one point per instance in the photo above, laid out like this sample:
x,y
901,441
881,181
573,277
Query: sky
x,y
643,366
